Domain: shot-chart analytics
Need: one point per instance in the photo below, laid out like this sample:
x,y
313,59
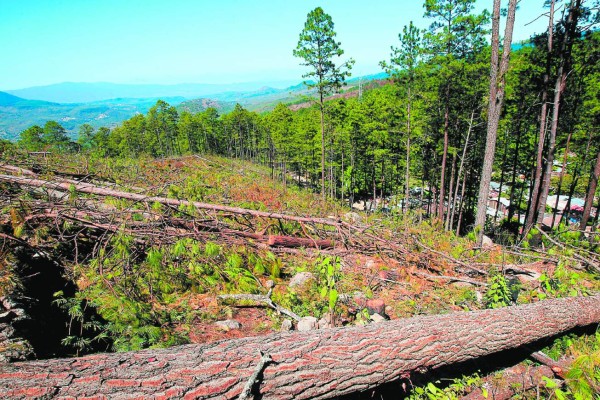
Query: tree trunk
x,y
450,210
322,145
561,80
440,207
407,173
589,198
305,365
576,176
460,170
560,181
497,78
537,177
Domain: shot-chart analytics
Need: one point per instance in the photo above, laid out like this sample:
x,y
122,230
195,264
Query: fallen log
x,y
315,364
291,241
102,191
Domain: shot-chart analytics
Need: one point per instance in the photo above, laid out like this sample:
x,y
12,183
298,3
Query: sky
x,y
197,41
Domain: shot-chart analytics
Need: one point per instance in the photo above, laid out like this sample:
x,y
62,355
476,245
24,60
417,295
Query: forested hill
x,y
17,114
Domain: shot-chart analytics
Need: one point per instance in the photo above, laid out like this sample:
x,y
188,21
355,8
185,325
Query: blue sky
x,y
183,41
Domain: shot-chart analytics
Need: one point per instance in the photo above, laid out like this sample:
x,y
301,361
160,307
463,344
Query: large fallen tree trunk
x,y
316,364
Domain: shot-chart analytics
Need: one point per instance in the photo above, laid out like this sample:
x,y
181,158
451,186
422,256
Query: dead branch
x,y
259,299
449,278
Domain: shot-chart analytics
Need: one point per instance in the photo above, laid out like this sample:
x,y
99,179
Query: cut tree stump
x,y
305,365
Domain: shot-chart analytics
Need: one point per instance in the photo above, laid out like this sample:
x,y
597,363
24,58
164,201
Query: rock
x,y
352,218
525,278
487,242
307,324
375,306
389,310
228,325
344,298
478,296
301,278
286,325
376,318
269,284
324,322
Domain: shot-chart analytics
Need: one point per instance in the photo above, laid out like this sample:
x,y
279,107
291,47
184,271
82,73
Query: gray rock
x,y
324,322
286,325
478,296
486,242
269,284
301,278
307,324
353,218
376,318
228,325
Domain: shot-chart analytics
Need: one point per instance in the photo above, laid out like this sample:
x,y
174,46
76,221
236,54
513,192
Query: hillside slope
x,y
17,114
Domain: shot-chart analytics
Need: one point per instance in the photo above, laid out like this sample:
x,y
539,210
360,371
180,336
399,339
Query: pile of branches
x,y
80,202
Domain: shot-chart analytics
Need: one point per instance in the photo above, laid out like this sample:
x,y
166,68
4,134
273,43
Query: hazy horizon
x,y
158,43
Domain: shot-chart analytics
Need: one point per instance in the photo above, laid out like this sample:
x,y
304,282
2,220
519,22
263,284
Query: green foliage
x,y
31,138
329,274
563,282
456,389
498,293
583,376
317,47
82,331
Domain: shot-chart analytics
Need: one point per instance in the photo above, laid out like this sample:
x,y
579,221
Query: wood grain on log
x,y
306,365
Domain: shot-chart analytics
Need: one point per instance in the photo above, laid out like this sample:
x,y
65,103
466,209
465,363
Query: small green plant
x,y
498,293
82,332
457,388
563,283
329,274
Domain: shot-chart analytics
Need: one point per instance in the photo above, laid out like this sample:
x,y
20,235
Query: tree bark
x,y
537,176
440,206
305,365
497,77
322,109
407,172
559,88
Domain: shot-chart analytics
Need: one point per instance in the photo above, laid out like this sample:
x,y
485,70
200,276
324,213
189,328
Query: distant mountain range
x,y
107,104
17,114
74,92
